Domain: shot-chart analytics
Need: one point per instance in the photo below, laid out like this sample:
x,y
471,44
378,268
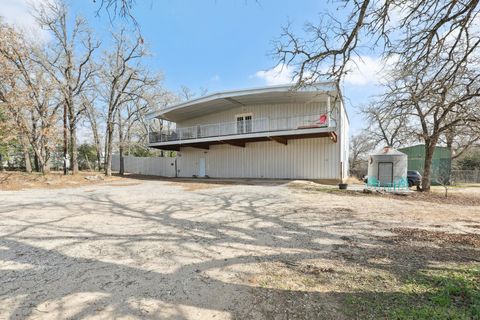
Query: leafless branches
x,y
385,125
122,81
437,103
69,61
28,97
434,88
360,146
413,30
67,77
122,8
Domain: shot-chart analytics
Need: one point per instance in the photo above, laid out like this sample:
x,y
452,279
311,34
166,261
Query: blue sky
x,y
217,45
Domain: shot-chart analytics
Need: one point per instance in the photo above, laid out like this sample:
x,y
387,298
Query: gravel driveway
x,y
173,250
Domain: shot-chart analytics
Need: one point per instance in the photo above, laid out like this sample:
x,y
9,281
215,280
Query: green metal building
x,y
441,162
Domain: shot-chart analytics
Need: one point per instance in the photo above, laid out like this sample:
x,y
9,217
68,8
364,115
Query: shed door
x,y
201,167
385,172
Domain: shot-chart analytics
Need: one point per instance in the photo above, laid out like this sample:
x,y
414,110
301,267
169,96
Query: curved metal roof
x,y
225,100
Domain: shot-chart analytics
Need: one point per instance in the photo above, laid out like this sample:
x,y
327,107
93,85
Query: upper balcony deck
x,y
245,130
277,113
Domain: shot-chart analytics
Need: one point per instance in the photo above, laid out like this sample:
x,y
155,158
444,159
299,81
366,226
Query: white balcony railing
x,y
244,127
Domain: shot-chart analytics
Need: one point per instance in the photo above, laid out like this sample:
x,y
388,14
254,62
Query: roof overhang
x,y
221,101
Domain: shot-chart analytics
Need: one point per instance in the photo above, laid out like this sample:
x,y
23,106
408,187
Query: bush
x,y
87,156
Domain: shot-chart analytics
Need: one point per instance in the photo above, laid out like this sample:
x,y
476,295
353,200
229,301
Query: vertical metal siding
x,y
344,134
316,158
155,166
272,111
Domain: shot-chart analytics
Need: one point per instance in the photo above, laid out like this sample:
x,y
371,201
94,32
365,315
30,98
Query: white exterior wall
x,y
272,111
154,166
344,141
311,158
314,158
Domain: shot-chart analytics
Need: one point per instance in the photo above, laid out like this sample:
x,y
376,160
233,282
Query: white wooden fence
x,y
155,166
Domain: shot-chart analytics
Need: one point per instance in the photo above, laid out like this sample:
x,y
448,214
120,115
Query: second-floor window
x,y
244,123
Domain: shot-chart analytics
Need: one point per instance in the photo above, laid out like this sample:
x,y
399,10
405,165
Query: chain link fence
x,y
465,176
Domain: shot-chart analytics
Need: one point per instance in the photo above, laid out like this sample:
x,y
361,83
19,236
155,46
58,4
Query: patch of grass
x,y
430,294
309,282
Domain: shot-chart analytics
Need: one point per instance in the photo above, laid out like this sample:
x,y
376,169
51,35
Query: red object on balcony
x,y
323,119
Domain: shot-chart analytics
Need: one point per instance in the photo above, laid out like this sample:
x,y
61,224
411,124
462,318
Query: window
x,y
244,123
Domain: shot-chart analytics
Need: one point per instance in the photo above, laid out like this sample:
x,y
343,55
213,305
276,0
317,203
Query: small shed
x,y
387,167
441,161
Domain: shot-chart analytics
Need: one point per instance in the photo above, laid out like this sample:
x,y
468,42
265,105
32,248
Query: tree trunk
x,y
45,167
108,149
46,156
36,162
28,164
98,149
122,162
73,149
72,121
96,137
65,140
26,155
430,145
120,145
88,164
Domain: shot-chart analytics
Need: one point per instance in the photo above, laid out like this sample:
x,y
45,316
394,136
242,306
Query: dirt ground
x,y
139,248
12,180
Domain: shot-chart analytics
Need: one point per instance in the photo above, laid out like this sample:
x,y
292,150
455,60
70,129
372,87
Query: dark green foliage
x,y
87,156
140,151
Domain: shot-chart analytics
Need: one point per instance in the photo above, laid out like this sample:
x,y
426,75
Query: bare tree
x,y
28,97
435,44
410,30
187,93
385,125
8,91
442,176
436,103
361,145
122,80
122,8
459,138
69,62
93,116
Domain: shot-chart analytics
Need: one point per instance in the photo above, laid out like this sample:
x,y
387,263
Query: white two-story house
x,y
273,132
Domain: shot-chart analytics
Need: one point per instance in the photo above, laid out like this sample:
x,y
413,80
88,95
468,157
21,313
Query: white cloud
x,y
367,70
362,71
19,13
281,74
215,78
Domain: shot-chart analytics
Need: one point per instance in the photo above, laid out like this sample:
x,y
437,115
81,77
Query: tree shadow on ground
x,y
258,231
